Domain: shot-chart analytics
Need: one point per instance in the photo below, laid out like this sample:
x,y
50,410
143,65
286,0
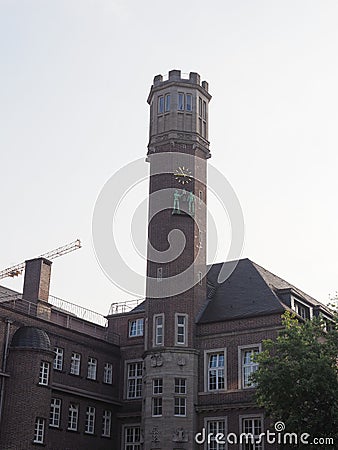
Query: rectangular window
x,y
108,373
200,125
39,431
157,406
159,274
73,416
200,107
248,366
158,329
106,423
134,380
92,368
204,110
90,420
214,428
216,371
180,104
44,373
158,386
75,364
180,406
204,134
132,438
55,413
167,102
160,107
180,386
136,328
181,329
252,427
189,102
302,311
58,359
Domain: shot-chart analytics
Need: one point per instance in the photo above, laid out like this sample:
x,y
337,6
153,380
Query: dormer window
x,y
300,308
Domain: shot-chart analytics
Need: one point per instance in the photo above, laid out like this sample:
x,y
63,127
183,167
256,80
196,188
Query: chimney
x,y
37,280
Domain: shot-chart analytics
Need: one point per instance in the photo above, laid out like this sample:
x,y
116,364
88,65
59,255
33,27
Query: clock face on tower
x,y
183,175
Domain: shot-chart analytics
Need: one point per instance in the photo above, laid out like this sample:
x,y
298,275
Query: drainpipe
x,y
4,365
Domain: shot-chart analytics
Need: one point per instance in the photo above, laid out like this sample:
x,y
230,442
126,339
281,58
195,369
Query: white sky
x,y
74,79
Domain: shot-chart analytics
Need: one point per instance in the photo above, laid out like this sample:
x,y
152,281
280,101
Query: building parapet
x,y
65,314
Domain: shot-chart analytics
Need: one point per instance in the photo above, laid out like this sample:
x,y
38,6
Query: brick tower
x,y
176,288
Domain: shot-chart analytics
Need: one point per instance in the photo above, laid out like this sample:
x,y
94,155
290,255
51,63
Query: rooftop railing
x,y
63,313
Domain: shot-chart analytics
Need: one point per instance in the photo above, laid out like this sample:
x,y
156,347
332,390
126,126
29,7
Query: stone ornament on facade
x,y
155,435
180,435
156,360
181,361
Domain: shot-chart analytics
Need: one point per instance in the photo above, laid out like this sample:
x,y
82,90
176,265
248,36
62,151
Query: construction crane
x,y
17,270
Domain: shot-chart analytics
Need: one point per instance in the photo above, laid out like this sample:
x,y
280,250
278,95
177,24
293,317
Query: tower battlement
x,y
179,110
176,76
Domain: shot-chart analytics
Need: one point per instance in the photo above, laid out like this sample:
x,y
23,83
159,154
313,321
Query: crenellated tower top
x,y
179,111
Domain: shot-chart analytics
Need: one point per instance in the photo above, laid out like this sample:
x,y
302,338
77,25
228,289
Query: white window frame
x,y
136,327
241,350
218,420
108,373
179,387
90,420
137,380
157,328
135,444
55,413
106,423
73,416
178,326
301,303
207,369
91,368
180,404
39,430
58,358
157,386
241,429
156,404
44,373
156,401
75,364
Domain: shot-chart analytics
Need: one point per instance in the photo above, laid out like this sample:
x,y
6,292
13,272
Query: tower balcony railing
x,y
63,313
125,306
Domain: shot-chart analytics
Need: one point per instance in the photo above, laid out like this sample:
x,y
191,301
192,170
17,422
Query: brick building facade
x,y
174,366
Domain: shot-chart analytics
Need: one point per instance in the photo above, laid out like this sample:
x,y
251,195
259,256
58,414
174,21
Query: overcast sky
x,y
74,79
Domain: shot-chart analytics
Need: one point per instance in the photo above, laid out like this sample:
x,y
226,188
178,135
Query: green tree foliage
x,y
297,380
